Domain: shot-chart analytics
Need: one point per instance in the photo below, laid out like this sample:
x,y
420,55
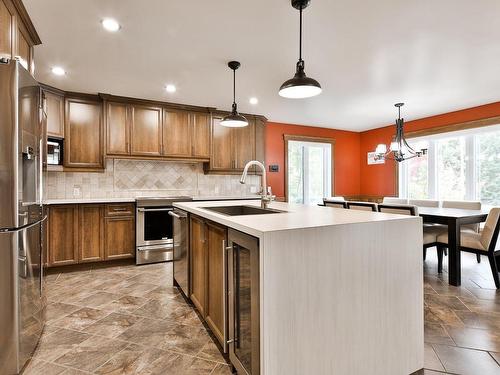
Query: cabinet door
x,y
91,226
63,235
216,278
244,144
83,146
176,133
117,129
6,37
260,140
222,155
23,50
198,264
55,115
119,237
200,124
146,131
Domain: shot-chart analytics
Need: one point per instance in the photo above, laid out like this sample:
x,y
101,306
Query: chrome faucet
x,y
265,196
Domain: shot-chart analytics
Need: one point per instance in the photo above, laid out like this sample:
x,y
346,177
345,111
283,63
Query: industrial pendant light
x,y
234,120
300,86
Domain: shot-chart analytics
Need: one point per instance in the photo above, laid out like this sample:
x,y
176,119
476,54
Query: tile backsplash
x,y
132,178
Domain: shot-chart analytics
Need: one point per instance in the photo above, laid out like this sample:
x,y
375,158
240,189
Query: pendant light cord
x,y
300,35
234,86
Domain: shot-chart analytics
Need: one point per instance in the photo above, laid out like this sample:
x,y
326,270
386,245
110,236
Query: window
x,y
462,165
309,170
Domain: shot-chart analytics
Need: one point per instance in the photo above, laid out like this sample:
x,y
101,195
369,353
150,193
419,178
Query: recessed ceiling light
x,y
254,101
110,24
58,71
170,88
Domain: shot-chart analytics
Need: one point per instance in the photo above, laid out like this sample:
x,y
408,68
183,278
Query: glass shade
x,y
381,149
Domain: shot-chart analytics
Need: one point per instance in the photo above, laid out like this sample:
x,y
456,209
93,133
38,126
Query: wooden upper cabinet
x,y
243,144
200,138
260,140
55,114
63,235
222,154
6,34
146,131
83,144
117,129
177,133
91,226
23,49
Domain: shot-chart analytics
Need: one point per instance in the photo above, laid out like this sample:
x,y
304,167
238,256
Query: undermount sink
x,y
242,210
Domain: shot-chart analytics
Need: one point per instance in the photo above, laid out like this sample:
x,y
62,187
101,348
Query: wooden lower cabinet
x,y
216,301
198,263
119,237
82,233
63,235
208,273
91,227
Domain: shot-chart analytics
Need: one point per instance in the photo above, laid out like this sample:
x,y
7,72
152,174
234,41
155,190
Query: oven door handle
x,y
155,248
140,209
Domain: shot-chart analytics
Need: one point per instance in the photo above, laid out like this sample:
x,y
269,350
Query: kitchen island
x,y
339,291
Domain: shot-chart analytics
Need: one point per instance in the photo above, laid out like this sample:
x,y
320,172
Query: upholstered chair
x,y
483,243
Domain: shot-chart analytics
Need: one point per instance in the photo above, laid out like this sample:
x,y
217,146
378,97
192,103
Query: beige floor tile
x,y
80,319
91,354
131,360
466,361
57,343
112,325
431,360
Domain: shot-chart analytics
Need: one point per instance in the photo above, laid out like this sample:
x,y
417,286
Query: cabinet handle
x,y
224,290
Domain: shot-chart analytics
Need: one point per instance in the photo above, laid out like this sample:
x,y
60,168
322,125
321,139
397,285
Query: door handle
x,y
224,292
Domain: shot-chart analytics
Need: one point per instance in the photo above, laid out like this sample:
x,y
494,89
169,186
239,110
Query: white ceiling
x,y
435,55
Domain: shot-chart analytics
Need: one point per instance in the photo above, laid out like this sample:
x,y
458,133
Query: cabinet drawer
x,y
123,209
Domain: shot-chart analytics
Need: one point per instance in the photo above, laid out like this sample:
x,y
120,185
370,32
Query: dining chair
x,y
336,204
483,243
401,209
394,200
430,233
424,202
362,206
466,205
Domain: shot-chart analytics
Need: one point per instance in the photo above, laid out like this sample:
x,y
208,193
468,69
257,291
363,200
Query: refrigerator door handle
x,y
14,230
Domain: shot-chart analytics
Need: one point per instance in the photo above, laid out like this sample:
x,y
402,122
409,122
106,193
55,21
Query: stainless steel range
x,y
154,229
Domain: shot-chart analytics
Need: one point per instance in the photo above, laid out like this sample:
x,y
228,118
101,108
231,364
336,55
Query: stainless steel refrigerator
x,y
22,118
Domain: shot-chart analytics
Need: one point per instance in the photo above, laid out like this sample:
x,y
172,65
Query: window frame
x,y
471,158
302,138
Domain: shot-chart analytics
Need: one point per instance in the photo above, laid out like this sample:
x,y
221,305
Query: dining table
x,y
454,218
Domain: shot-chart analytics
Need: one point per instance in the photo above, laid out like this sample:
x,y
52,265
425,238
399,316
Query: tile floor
x,y
462,324
131,320
122,320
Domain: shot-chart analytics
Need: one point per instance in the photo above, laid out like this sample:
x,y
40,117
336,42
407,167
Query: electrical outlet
x,y
77,191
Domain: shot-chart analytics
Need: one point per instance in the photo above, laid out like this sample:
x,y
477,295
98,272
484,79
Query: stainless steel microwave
x,y
54,151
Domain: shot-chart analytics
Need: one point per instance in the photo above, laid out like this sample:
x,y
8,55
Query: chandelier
x,y
399,149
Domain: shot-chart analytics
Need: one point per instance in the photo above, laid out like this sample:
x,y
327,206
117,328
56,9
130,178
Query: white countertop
x,y
88,200
298,216
131,200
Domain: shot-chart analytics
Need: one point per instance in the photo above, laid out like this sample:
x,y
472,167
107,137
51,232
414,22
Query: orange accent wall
x,y
380,179
347,156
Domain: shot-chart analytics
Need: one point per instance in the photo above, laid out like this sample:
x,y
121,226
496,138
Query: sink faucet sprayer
x,y
266,196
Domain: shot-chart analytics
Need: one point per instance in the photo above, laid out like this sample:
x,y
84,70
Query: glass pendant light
x,y
399,149
300,86
234,120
